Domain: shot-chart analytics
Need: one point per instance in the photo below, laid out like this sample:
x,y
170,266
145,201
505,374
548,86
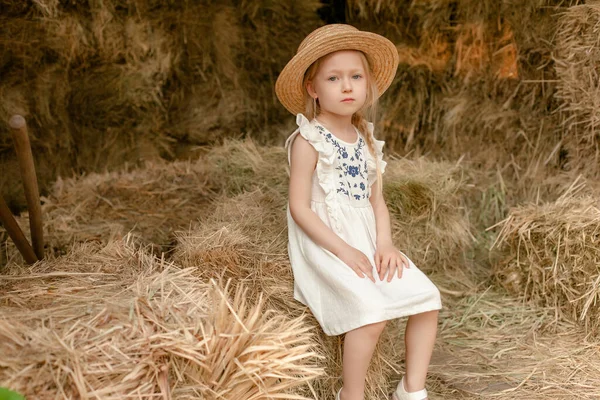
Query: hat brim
x,y
380,52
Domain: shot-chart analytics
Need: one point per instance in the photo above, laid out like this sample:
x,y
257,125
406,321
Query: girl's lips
x,y
347,100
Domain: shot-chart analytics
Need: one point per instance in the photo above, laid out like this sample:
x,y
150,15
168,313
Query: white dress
x,y
341,186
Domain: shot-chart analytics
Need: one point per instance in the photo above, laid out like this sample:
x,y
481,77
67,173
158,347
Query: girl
x,y
346,268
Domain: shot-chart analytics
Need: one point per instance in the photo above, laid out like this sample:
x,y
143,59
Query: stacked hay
x,y
474,76
550,253
89,82
231,57
149,202
238,166
576,60
429,219
109,321
245,239
493,345
112,82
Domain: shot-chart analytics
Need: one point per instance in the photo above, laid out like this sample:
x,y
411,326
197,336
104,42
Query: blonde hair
x,y
360,119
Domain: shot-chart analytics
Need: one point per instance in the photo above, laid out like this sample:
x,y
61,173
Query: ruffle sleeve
x,y
325,168
371,160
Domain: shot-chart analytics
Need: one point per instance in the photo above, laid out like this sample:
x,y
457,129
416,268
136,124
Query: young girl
x,y
346,268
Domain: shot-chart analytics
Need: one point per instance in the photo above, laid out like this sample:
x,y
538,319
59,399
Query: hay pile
x,y
476,80
576,59
245,239
106,83
550,253
429,219
493,345
114,321
149,202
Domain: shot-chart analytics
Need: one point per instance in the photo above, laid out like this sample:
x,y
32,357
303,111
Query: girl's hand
x,y
389,260
358,261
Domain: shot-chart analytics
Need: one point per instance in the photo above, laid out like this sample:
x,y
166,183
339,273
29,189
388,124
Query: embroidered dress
x,y
341,187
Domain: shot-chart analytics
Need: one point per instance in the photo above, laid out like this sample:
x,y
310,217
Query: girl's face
x,y
340,83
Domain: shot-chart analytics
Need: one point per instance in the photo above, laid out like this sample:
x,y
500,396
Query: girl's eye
x,y
331,78
357,76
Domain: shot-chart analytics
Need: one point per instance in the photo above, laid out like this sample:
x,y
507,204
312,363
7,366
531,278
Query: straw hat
x,y
381,54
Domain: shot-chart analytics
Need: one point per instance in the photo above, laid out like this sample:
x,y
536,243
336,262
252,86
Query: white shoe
x,y
337,396
402,394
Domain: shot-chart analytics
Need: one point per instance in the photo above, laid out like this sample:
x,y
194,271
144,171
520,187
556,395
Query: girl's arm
x,y
387,257
382,216
303,160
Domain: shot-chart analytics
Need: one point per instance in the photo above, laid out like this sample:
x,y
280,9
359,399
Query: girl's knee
x,y
433,314
375,329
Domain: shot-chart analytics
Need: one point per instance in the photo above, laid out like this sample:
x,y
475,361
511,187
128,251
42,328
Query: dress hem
x,y
340,330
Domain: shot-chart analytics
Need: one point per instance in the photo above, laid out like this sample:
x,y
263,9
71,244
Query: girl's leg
x,y
358,349
419,339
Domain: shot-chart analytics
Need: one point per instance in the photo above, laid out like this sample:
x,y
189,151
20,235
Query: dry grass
x,y
114,82
245,240
550,254
150,202
429,220
576,58
113,321
492,345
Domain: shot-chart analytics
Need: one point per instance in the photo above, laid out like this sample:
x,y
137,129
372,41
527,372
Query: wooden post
x,y
15,233
32,194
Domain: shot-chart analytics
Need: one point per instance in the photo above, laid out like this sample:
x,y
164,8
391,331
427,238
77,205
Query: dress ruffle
x,y
325,168
371,161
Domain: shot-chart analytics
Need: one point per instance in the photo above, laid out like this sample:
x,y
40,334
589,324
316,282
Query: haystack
x,y
149,202
245,239
89,83
113,82
113,321
550,253
237,166
576,60
494,345
429,220
475,80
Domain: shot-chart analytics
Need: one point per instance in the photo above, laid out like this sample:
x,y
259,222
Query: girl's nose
x,y
347,85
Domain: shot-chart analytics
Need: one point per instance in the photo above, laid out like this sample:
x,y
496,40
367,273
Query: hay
x,y
154,201
550,253
576,59
113,82
150,202
237,166
245,240
429,222
151,329
228,64
492,345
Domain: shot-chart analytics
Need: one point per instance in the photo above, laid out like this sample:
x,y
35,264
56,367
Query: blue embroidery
x,y
352,170
350,166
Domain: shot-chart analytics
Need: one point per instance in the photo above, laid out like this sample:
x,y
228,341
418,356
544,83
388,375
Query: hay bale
x,y
576,59
228,63
550,253
245,240
237,166
107,321
429,220
149,202
494,345
89,84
